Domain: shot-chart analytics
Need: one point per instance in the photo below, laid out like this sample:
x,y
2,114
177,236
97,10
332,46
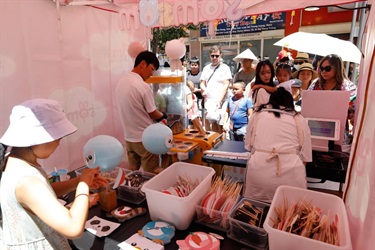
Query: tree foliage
x,y
162,35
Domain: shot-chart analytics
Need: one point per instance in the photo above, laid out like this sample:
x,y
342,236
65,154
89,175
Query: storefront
x,y
260,32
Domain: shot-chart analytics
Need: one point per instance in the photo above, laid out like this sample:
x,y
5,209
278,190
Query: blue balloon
x,y
104,151
157,138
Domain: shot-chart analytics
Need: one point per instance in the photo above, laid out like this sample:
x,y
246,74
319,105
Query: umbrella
x,y
321,44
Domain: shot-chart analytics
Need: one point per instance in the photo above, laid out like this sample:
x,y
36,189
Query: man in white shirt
x,y
137,110
215,81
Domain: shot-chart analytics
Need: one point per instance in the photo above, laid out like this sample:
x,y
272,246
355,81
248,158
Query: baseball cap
x,y
35,122
296,83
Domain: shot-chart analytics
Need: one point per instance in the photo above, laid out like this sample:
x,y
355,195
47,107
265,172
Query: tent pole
x,y
352,31
362,21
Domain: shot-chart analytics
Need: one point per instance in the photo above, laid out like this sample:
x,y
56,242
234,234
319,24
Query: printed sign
x,y
248,24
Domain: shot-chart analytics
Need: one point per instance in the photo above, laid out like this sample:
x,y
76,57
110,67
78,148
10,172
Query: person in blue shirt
x,y
238,111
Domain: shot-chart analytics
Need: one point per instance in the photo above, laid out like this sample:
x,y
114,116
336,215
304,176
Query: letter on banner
x,y
183,8
127,15
165,14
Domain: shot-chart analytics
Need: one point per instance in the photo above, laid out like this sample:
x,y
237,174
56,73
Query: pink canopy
x,y
76,54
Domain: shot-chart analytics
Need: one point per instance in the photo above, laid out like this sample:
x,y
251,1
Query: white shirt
x,y
134,102
214,87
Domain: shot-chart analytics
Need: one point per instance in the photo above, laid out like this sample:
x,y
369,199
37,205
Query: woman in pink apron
x,y
280,144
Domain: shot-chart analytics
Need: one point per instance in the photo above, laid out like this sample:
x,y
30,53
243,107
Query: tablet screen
x,y
323,129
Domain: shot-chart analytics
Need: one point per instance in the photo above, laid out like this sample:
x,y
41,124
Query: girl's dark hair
x,y
259,67
257,81
284,66
336,62
280,99
3,158
194,60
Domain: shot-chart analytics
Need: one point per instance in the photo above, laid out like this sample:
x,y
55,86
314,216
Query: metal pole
x,y
362,21
352,30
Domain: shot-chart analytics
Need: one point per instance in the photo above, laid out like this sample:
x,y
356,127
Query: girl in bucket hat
x,y
306,74
35,130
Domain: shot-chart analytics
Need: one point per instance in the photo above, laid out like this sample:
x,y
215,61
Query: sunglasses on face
x,y
299,62
214,56
326,68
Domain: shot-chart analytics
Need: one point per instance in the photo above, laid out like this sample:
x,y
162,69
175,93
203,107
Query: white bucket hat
x,y
246,54
35,122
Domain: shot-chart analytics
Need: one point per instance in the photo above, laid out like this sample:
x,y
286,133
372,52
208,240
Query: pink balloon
x,y
175,49
134,49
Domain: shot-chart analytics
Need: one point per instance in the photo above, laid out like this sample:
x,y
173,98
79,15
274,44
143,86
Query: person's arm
x,y
266,87
226,118
249,112
36,197
64,187
224,92
203,87
189,101
157,115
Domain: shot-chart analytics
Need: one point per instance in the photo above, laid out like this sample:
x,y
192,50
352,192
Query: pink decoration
x,y
134,49
211,9
212,27
199,240
232,12
148,12
175,50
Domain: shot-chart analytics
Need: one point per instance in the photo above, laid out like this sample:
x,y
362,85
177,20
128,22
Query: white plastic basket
x,y
179,211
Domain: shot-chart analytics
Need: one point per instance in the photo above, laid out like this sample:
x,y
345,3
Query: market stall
x,y
76,51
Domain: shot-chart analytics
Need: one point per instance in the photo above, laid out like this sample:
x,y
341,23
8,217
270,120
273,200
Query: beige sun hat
x,y
305,66
246,54
302,56
35,122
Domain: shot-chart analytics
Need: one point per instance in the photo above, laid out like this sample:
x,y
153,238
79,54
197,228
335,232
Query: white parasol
x,y
321,44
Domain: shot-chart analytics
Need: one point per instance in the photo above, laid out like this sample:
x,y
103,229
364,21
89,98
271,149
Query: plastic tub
x,y
242,231
178,211
219,221
284,240
134,194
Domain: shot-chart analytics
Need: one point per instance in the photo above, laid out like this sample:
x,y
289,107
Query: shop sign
x,y
248,24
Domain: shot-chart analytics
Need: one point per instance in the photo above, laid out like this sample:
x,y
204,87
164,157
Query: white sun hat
x,y
35,122
246,54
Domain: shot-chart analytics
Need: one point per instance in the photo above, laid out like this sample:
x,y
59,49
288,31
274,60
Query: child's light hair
x,y
242,83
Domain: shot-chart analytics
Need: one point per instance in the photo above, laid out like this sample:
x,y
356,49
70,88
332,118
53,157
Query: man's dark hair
x,y
149,57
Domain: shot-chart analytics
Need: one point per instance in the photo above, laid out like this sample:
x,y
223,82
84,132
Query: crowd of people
x,y
262,78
